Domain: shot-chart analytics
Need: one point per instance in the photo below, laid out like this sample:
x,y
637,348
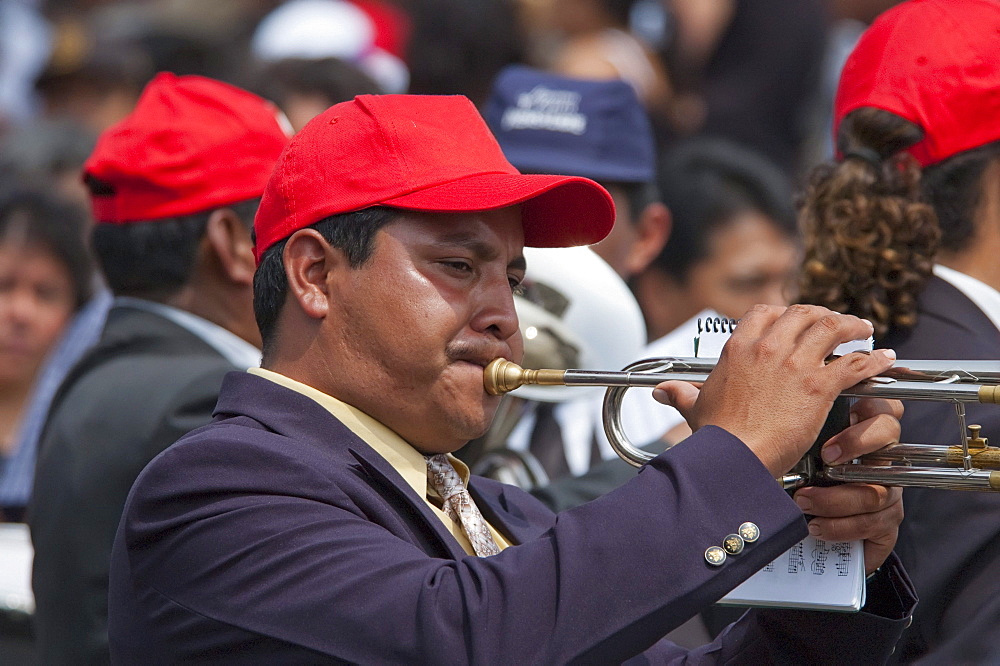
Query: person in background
x,y
25,40
748,71
90,80
174,187
904,230
447,53
305,87
595,129
733,243
595,43
45,277
51,152
357,34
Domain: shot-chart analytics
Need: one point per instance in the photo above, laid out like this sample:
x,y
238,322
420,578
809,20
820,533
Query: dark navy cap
x,y
553,124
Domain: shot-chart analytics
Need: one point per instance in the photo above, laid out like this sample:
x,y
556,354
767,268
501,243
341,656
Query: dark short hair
x,y
44,219
353,233
154,259
953,187
331,78
705,183
638,195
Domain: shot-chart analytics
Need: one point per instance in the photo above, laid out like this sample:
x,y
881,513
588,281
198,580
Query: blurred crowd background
x,y
759,72
753,79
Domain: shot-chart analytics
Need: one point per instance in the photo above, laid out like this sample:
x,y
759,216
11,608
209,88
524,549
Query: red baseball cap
x,y
934,63
190,145
424,153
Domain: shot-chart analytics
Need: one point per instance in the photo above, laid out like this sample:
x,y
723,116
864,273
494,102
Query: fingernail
x,y
889,354
805,503
831,453
659,395
870,325
814,529
854,418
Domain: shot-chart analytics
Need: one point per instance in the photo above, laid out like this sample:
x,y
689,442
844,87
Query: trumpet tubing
x,y
971,466
502,376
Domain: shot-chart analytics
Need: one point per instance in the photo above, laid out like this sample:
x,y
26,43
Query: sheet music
x,y
715,331
813,574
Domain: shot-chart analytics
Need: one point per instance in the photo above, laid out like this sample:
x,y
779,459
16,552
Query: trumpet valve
x,y
975,441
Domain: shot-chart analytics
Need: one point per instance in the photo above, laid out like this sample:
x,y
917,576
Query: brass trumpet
x,y
970,465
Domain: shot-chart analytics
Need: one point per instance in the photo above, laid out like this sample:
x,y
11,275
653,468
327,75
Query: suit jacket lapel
x,y
491,505
299,417
944,312
380,468
942,299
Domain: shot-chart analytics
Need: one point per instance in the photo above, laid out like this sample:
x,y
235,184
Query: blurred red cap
x,y
190,145
392,25
425,153
934,63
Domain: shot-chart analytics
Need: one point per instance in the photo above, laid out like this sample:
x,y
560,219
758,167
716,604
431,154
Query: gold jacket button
x,y
733,544
749,532
715,556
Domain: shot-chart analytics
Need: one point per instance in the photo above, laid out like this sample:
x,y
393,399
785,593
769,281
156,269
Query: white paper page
x,y
812,574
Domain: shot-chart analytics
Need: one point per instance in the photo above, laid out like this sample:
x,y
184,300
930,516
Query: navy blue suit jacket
x,y
275,535
950,541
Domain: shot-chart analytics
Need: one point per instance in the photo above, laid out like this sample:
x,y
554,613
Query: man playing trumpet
x,y
319,518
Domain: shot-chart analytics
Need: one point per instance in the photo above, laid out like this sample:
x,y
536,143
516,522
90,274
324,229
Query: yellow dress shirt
x,y
405,459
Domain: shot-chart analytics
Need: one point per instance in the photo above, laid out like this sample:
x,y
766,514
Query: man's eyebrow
x,y
518,263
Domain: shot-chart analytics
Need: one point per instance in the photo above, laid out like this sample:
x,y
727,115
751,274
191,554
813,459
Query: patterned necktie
x,y
458,504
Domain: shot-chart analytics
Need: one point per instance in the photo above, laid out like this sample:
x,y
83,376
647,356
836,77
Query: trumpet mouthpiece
x,y
503,376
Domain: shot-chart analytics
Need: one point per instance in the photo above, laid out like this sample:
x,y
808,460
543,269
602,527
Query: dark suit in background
x,y
950,541
276,535
147,382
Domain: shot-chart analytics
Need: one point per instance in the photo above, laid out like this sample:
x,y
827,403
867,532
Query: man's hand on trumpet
x,y
773,388
854,510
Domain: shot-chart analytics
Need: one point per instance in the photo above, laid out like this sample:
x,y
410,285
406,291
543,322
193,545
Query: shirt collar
x,y
233,348
985,297
405,459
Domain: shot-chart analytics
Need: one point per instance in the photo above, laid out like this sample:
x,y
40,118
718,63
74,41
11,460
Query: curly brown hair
x,y
870,237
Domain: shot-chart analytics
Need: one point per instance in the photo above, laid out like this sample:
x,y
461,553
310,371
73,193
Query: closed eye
x,y
458,265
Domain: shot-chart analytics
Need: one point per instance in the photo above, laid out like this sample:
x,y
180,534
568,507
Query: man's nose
x,y
496,314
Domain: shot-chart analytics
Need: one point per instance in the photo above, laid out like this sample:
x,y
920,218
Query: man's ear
x,y
652,231
229,238
308,261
